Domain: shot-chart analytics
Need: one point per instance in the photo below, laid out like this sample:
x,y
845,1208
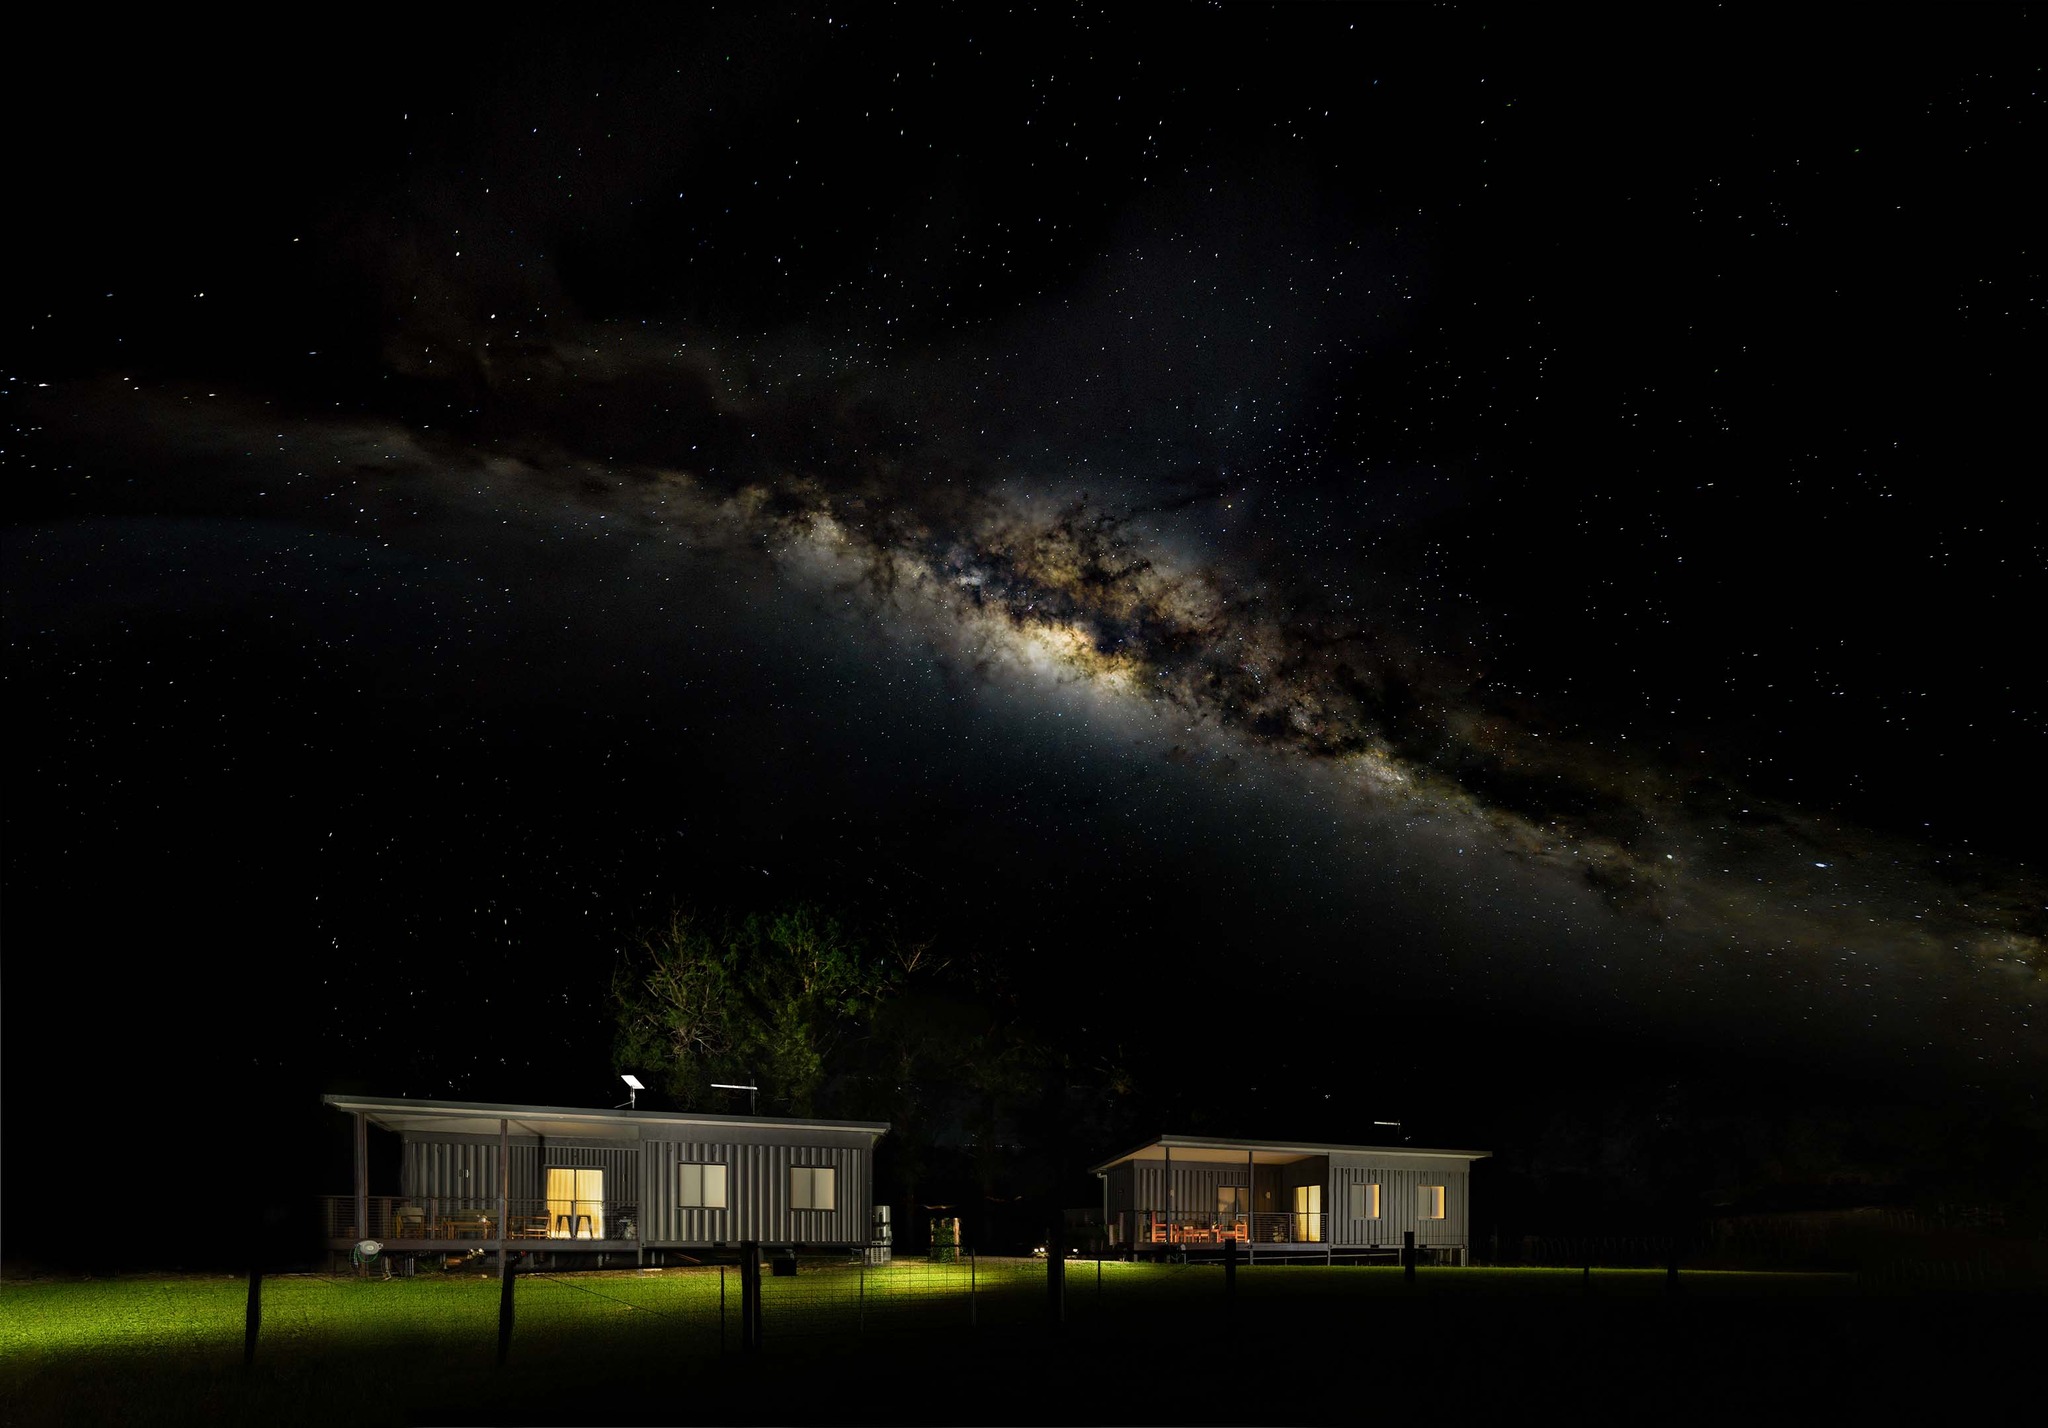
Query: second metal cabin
x,y
1185,1194
557,1179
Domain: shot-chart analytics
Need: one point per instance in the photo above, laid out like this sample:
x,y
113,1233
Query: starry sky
x,y
1364,556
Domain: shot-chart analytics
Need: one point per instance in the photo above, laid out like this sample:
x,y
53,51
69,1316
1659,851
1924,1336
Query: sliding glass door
x,y
575,1203
1308,1214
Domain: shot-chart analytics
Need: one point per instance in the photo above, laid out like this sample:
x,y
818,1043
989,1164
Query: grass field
x,y
927,1343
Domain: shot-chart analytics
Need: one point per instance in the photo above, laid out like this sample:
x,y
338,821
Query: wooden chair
x,y
465,1224
409,1222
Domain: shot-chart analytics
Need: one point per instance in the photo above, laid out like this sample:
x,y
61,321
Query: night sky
x,y
1375,562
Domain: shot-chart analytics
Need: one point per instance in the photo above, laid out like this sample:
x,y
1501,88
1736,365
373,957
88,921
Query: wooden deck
x,y
433,1223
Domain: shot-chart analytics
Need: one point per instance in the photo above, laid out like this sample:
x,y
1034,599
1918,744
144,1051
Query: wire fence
x,y
973,1337
1879,1247
820,1299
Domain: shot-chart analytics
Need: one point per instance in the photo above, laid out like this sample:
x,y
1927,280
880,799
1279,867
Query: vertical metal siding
x,y
469,1169
1123,1197
1400,1205
757,1195
456,1169
1194,1183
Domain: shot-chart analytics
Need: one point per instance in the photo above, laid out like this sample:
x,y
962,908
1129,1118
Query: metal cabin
x,y
555,1180
1181,1195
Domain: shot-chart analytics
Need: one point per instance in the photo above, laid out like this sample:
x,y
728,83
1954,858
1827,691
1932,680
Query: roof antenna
x,y
753,1094
633,1090
1397,1128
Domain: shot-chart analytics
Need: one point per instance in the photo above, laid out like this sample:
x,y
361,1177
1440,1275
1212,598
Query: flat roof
x,y
405,1113
1274,1152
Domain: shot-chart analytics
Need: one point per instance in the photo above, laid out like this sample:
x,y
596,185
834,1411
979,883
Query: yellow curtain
x,y
1308,1214
575,1203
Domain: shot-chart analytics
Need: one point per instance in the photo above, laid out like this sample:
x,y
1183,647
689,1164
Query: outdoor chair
x,y
465,1224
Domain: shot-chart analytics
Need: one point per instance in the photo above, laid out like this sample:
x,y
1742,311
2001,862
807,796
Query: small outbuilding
x,y
1180,1193
558,1179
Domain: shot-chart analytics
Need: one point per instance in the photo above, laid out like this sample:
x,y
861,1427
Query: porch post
x,y
1251,1201
505,1307
362,1176
1166,1180
504,1182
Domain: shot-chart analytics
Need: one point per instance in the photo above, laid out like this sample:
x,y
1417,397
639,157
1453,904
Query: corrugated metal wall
x,y
1121,1199
757,1195
1194,1183
466,1169
1400,1205
469,1168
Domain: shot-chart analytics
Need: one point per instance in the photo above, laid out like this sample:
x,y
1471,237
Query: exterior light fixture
x,y
633,1090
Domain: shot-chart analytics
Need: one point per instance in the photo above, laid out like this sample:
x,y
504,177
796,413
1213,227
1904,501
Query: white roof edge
x,y
1202,1142
423,1106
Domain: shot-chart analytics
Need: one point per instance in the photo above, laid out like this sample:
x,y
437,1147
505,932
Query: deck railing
x,y
396,1219
1195,1227
1146,1230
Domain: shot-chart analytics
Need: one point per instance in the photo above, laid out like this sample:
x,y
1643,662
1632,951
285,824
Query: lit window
x,y
1432,1202
813,1187
703,1187
1232,1201
1365,1200
575,1203
1308,1214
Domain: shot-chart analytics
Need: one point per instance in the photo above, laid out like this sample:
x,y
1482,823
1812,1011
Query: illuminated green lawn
x,y
369,1351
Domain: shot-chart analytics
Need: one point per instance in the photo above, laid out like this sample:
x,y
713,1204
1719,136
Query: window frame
x,y
1436,1203
703,1200
1368,1191
809,1174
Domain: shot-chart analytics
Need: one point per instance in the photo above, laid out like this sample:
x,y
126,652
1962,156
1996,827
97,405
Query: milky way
x,y
1058,586
1007,377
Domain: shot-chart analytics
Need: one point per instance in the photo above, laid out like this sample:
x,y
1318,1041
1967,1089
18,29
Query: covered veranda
x,y
575,1213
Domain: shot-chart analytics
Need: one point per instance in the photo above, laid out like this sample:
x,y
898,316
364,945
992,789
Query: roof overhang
x,y
1271,1152
400,1113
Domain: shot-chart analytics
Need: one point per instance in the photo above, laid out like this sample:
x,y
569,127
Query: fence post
x,y
1056,1273
863,1291
973,1308
1230,1276
1408,1256
750,1295
252,1318
504,1306
721,1309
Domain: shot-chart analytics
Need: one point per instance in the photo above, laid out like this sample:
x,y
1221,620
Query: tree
x,y
775,998
676,1003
